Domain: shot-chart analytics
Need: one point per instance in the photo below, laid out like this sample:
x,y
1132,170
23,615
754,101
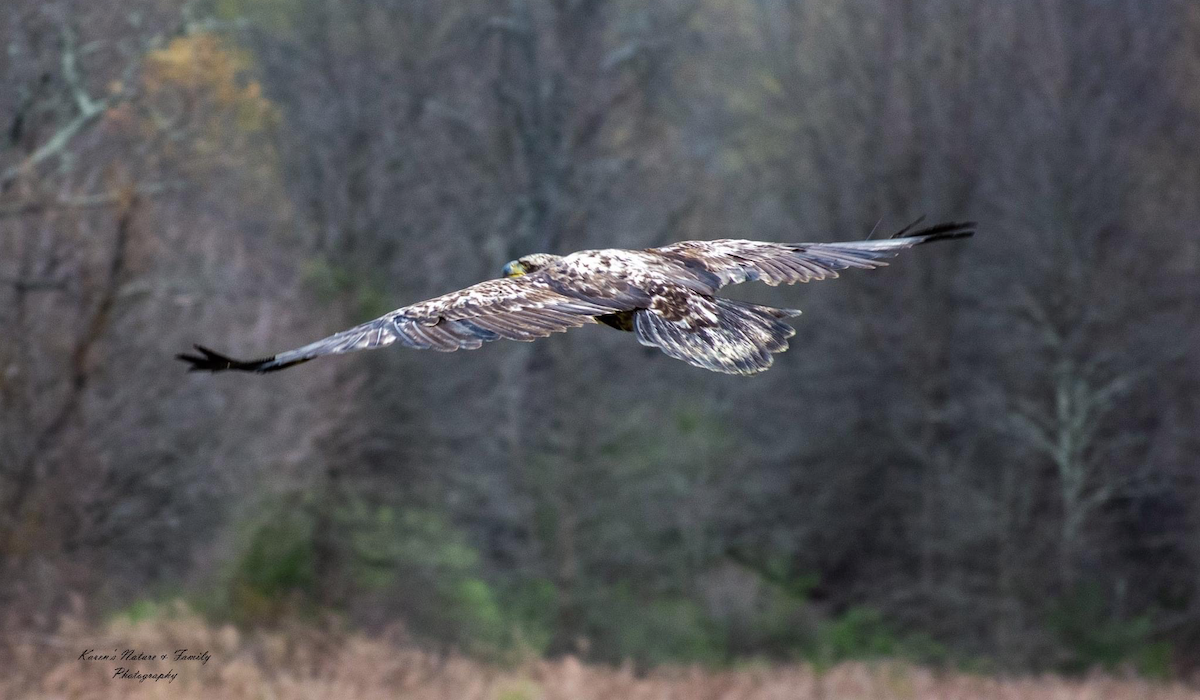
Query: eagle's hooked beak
x,y
514,269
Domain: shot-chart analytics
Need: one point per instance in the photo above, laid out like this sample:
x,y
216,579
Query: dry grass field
x,y
307,664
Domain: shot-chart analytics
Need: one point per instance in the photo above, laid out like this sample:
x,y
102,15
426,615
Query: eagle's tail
x,y
721,335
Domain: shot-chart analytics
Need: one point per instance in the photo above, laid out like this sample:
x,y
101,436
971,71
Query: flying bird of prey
x,y
666,296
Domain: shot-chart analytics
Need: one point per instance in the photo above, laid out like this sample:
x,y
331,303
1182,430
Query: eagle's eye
x,y
514,269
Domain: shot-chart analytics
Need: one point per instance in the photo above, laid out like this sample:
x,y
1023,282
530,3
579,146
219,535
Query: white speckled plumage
x,y
668,293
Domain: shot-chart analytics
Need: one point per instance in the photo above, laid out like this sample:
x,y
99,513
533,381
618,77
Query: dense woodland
x,y
983,455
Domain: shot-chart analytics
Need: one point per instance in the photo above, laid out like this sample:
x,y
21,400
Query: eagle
x,y
666,296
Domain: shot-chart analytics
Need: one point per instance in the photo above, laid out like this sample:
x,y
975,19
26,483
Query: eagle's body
x,y
667,296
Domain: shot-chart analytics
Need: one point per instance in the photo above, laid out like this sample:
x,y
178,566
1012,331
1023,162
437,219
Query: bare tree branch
x,y
88,201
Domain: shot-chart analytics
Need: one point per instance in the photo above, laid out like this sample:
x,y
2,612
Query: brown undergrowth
x,y
306,663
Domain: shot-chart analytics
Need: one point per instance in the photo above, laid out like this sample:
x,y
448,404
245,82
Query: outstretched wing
x,y
735,261
517,308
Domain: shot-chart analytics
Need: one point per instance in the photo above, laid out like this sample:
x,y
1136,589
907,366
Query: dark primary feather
x,y
209,361
939,232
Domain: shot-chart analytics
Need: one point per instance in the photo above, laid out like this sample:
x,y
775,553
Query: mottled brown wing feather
x,y
735,261
519,308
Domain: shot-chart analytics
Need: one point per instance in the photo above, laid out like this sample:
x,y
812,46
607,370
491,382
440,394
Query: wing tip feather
x,y
211,361
945,231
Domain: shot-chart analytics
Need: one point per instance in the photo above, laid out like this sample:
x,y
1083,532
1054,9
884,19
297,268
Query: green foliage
x,y
143,610
530,602
472,604
1092,636
864,633
413,555
778,572
274,571
280,557
519,690
774,625
419,557
384,537
769,615
422,555
421,552
666,629
859,633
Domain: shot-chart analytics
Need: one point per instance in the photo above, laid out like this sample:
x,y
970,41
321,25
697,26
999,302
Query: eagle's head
x,y
527,264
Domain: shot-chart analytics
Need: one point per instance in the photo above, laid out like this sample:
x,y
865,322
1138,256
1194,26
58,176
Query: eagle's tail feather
x,y
720,335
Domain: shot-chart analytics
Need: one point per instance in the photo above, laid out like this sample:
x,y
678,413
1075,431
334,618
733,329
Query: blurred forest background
x,y
979,456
